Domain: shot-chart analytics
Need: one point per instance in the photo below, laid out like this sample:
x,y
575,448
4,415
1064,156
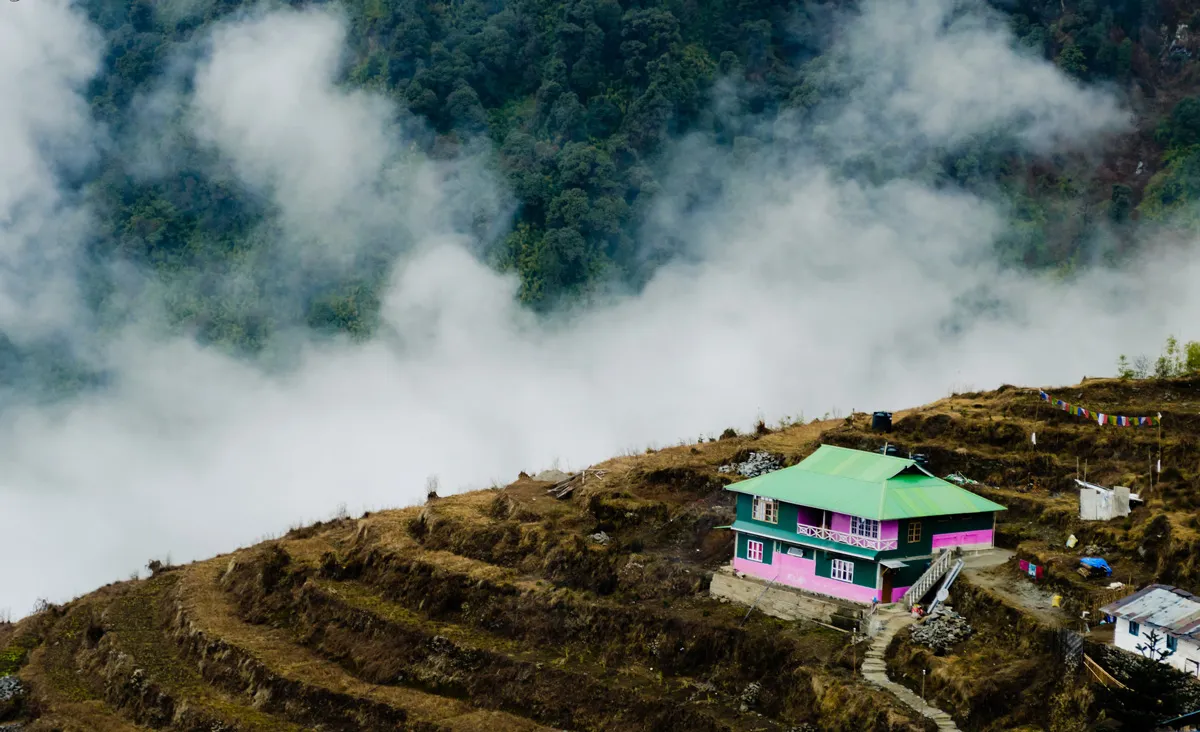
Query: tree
x,y
1170,363
1182,127
1155,690
1122,203
1124,370
1072,60
1192,356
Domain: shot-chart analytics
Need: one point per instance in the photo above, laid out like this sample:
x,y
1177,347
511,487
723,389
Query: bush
x,y
1175,360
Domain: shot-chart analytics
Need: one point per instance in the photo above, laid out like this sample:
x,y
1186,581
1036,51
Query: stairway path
x,y
874,669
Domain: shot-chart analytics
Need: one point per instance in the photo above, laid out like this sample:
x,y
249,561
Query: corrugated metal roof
x,y
866,484
1173,610
872,467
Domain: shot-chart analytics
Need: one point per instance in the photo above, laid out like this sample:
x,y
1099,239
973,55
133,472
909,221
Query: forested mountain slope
x,y
571,103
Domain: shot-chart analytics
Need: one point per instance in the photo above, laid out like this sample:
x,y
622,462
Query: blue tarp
x,y
1098,563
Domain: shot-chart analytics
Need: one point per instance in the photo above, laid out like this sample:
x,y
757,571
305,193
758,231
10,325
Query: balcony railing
x,y
842,537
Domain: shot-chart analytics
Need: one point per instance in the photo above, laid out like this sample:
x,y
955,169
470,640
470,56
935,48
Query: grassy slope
x,y
493,610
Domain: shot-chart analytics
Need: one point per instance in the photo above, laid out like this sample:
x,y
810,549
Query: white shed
x,y
1097,503
1172,612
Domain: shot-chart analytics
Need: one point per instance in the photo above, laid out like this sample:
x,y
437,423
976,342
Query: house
x,y
1175,616
855,525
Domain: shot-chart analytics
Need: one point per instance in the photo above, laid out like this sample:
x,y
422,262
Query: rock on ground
x,y
941,630
757,464
10,688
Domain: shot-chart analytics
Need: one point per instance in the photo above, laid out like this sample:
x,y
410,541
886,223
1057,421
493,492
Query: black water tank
x,y
921,459
881,421
891,450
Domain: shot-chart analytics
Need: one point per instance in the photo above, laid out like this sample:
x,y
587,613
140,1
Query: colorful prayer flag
x,y
1119,420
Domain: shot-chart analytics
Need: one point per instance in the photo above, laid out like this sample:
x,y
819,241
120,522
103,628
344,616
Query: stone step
x,y
874,671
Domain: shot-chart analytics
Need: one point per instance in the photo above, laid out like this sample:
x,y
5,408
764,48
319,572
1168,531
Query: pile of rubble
x,y
942,629
749,696
10,688
757,464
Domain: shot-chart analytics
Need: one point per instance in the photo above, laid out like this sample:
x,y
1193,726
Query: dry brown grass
x,y
541,592
211,610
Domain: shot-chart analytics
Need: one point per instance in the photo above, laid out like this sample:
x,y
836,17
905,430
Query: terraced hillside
x,y
509,609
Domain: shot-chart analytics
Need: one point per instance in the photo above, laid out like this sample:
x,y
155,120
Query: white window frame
x,y
751,546
841,570
765,510
866,528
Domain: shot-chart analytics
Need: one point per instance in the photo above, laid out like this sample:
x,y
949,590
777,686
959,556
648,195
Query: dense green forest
x,y
577,99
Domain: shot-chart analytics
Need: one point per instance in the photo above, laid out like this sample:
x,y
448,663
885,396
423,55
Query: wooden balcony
x,y
841,537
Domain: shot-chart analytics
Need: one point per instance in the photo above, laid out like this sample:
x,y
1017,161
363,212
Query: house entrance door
x,y
886,593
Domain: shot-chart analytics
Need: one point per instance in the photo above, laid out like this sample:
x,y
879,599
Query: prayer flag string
x,y
1100,417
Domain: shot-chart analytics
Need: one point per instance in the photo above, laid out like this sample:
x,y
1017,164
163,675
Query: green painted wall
x,y
935,525
808,552
864,569
905,576
787,514
768,547
923,547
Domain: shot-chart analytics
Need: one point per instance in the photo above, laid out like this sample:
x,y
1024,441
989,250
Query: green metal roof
x,y
866,484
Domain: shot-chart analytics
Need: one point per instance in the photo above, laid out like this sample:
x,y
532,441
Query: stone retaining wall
x,y
781,602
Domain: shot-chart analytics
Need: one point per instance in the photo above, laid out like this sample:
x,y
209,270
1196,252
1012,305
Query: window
x,y
765,509
754,550
843,570
864,527
914,532
1133,628
1172,642
796,551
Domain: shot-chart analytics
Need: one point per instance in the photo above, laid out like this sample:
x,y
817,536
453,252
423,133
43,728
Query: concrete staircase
x,y
895,618
950,577
941,564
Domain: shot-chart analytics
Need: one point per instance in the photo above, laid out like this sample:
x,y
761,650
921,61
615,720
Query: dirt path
x,y
874,669
990,573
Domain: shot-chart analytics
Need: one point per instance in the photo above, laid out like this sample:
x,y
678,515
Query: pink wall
x,y
801,573
897,593
840,522
887,529
963,538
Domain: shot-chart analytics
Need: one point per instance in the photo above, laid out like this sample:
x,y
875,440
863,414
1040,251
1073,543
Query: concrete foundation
x,y
783,602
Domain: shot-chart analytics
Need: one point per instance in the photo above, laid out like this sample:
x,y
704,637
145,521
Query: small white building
x,y
1097,503
1172,612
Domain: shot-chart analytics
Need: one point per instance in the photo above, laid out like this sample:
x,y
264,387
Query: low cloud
x,y
936,72
807,291
47,54
341,165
